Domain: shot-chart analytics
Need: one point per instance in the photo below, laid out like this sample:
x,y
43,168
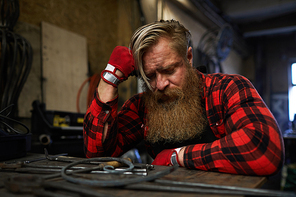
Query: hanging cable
x,y
6,122
16,61
16,56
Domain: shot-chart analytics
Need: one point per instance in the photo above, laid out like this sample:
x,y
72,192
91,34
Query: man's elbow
x,y
268,165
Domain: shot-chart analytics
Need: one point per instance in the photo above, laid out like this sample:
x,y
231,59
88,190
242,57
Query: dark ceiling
x,y
258,17
248,18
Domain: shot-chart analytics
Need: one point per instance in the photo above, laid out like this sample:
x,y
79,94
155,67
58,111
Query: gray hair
x,y
148,35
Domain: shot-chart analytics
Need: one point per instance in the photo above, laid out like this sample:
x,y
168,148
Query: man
x,y
213,122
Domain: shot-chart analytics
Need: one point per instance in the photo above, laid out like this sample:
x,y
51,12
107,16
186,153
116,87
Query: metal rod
x,y
154,187
245,191
74,170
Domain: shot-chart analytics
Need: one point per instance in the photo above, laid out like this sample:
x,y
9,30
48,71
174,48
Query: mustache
x,y
168,95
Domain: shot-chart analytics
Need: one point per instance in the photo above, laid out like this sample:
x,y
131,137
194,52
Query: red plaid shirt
x,y
250,141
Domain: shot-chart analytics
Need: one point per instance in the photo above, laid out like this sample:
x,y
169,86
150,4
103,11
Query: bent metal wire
x,y
169,186
113,183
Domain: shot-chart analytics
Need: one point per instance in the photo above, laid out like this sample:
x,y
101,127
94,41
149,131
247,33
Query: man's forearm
x,y
107,93
103,109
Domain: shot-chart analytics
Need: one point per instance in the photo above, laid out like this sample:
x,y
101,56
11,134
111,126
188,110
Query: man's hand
x,y
167,157
121,60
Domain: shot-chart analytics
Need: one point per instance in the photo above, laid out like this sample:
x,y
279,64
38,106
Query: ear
x,y
190,55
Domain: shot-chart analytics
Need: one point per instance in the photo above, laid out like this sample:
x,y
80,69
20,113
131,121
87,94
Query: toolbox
x,y
57,131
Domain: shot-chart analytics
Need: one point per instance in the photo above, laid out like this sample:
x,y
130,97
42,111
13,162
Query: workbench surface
x,y
180,174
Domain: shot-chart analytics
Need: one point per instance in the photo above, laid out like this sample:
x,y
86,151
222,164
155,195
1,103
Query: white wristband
x,y
110,76
110,67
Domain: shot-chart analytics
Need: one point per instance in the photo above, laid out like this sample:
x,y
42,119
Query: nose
x,y
161,82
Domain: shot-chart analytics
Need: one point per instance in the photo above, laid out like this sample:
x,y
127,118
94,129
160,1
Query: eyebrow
x,y
175,64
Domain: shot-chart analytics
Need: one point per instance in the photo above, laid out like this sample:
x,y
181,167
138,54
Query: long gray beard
x,y
179,119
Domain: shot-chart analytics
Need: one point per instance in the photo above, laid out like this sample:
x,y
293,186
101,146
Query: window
x,y
292,93
293,72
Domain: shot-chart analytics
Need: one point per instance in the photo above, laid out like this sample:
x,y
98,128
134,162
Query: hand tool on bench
x,y
43,158
29,182
55,158
105,165
112,183
139,169
19,164
37,168
46,169
144,166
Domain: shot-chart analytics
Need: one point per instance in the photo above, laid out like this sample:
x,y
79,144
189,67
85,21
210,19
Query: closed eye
x,y
151,76
171,68
169,71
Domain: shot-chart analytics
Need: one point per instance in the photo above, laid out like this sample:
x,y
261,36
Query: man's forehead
x,y
150,68
161,60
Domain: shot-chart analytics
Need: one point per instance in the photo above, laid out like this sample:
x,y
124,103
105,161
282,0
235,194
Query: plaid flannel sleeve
x,y
124,128
97,114
250,141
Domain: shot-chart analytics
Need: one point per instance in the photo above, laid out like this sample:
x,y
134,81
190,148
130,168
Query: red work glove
x,y
164,158
120,59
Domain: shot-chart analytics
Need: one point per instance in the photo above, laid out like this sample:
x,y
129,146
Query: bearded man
x,y
213,122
